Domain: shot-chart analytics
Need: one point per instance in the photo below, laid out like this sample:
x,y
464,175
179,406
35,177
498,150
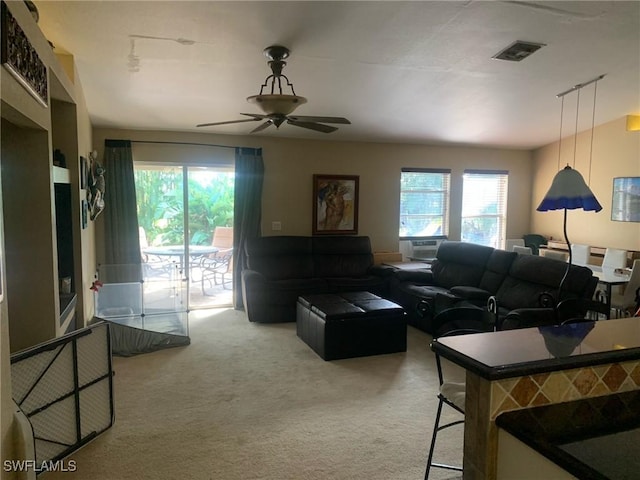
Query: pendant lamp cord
x,y
575,137
593,123
560,138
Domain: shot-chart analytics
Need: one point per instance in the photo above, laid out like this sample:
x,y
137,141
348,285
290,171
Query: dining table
x,y
179,252
610,277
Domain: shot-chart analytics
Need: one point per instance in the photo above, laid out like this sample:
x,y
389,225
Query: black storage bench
x,y
353,324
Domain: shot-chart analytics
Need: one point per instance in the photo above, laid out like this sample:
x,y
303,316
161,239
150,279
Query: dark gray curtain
x,y
249,174
122,245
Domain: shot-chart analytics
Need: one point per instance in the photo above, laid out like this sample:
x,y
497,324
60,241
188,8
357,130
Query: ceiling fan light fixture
x,y
278,104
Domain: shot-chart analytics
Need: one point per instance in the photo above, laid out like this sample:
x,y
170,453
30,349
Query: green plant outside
x,y
160,204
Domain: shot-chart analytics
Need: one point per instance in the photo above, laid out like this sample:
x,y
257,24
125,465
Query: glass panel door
x,y
180,209
210,227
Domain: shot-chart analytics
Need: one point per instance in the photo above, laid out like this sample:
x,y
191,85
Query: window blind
x,y
424,202
484,207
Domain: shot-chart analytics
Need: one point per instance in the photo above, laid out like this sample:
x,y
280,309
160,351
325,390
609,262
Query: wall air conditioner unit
x,y
423,249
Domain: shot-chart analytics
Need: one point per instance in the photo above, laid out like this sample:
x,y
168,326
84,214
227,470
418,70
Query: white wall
x,y
290,165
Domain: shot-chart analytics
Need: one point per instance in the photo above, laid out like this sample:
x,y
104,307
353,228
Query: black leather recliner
x,y
467,275
281,268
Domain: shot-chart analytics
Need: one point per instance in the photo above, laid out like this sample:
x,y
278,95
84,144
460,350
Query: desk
x,y
516,369
608,277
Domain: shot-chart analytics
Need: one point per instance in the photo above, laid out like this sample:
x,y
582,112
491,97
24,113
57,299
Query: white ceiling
x,y
417,72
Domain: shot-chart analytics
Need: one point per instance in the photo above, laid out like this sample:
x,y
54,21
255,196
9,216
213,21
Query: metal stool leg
x,y
437,428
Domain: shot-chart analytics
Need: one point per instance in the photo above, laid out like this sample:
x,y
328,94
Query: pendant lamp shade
x,y
569,191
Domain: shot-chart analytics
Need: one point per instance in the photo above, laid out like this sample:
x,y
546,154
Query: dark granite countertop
x,y
596,438
528,351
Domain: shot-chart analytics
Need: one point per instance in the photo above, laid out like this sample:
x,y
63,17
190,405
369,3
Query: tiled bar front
x,y
509,371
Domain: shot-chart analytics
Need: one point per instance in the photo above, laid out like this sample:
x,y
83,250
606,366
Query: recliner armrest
x,y
382,270
469,319
529,317
473,294
419,277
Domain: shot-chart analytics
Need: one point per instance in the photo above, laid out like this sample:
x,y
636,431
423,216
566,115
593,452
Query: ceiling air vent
x,y
518,51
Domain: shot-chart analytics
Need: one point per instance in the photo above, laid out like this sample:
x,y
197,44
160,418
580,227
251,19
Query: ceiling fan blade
x,y
228,122
256,116
261,127
299,118
318,127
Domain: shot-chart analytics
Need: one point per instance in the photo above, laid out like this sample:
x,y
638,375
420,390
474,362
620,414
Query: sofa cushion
x,y
460,263
471,293
283,292
338,256
280,257
496,270
425,292
530,275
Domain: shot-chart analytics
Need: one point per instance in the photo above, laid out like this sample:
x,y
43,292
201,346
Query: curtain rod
x,y
188,143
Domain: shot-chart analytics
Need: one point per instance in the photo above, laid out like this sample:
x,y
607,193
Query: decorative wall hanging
x,y
20,58
96,186
335,204
626,199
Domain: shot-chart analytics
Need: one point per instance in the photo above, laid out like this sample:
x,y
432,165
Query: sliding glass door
x,y
185,214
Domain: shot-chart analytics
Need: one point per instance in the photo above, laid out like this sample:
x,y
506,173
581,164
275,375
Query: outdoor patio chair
x,y
217,267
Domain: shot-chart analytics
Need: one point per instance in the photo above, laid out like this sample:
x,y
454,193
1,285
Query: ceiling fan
x,y
277,107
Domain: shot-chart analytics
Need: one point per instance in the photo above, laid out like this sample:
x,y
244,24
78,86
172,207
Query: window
x,y
424,202
484,207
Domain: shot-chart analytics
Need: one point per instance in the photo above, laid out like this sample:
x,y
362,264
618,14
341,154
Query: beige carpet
x,y
251,401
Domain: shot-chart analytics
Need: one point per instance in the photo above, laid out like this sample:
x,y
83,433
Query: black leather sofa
x,y
467,275
282,268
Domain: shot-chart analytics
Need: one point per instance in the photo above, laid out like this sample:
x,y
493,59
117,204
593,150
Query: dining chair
x,y
580,254
152,265
451,394
534,241
223,239
522,250
217,267
511,242
614,258
556,255
626,303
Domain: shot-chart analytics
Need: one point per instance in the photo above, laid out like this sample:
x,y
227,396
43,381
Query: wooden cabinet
x,y
40,201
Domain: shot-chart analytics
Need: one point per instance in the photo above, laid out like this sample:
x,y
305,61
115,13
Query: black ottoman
x,y
353,324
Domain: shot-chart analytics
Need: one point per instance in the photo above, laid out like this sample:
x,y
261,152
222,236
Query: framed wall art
x,y
335,204
625,206
20,58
